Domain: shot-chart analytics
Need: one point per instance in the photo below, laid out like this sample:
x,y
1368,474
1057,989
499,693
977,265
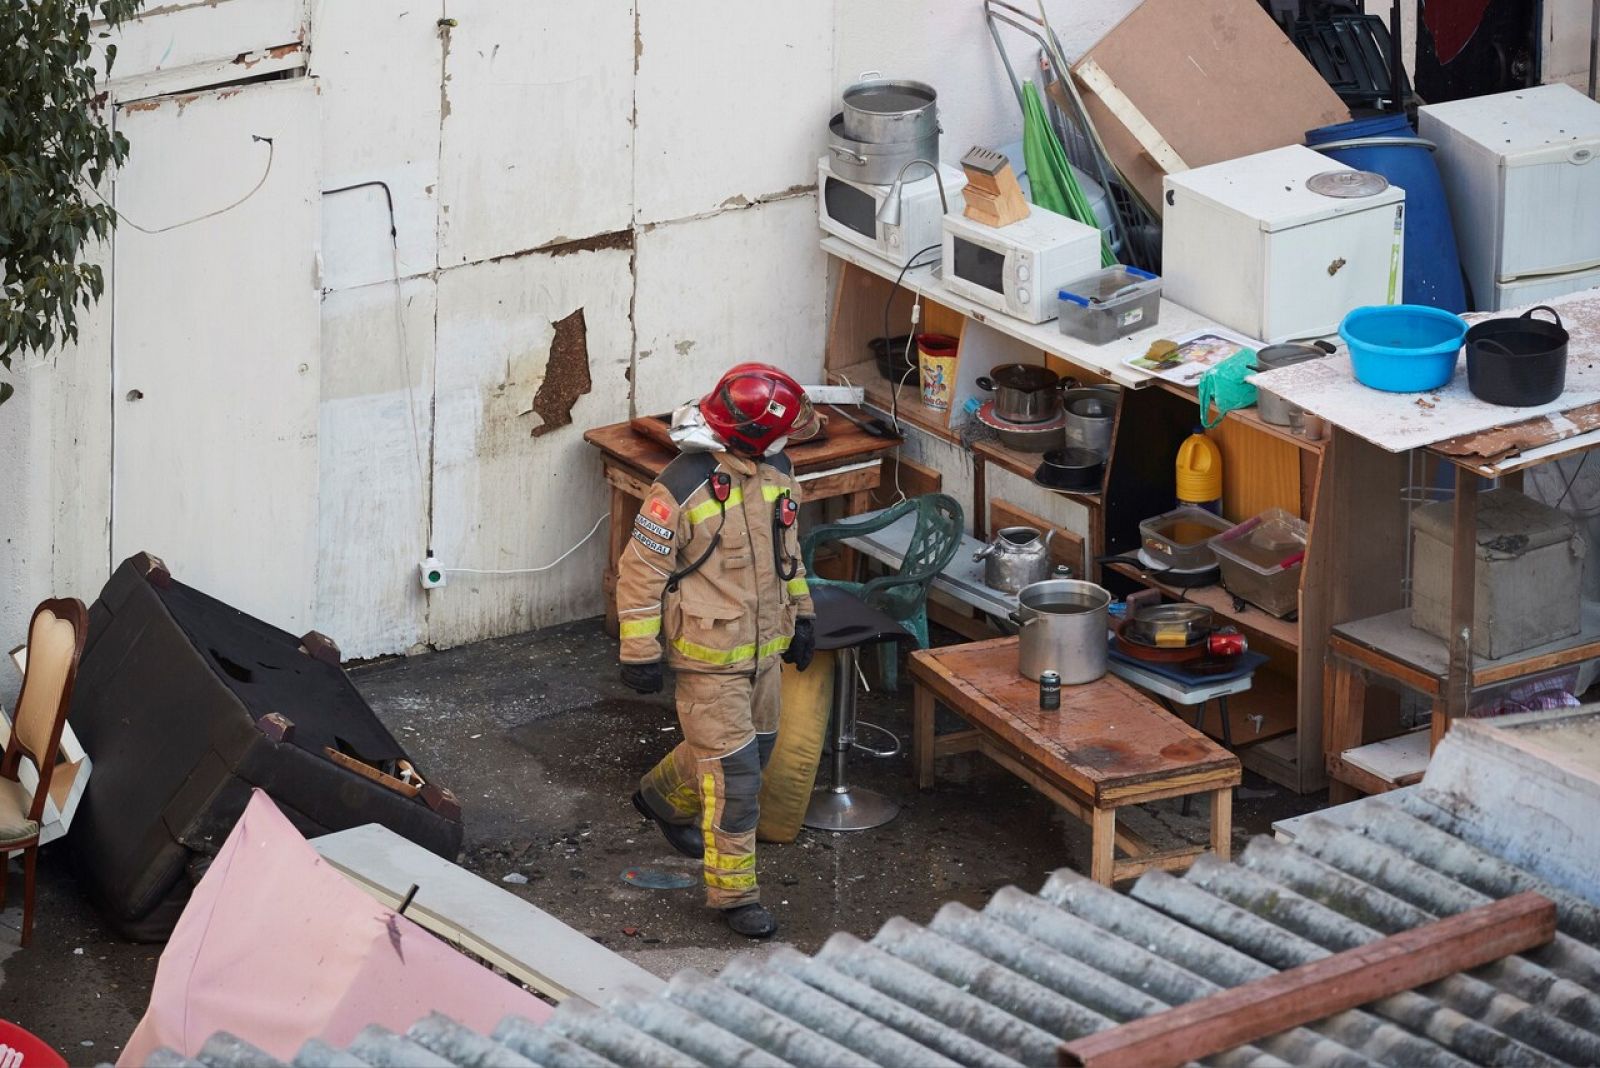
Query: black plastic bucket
x,y
1519,362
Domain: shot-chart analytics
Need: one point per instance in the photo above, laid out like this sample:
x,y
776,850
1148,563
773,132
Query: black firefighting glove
x,y
643,678
804,644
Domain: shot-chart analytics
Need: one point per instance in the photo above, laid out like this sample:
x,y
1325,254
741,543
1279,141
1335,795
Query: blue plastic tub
x,y
1387,145
1403,348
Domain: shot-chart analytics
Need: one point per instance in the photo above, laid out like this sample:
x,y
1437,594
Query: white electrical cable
x,y
528,570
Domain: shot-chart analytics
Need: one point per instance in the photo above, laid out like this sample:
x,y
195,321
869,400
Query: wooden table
x,y
847,464
1109,746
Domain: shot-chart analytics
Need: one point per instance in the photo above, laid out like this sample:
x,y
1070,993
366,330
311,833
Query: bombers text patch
x,y
655,528
650,543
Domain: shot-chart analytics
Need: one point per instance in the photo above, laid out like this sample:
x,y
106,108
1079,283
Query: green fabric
x,y
1225,387
1054,186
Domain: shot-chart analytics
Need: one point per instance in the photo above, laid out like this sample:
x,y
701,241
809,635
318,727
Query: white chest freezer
x,y
1521,175
1249,244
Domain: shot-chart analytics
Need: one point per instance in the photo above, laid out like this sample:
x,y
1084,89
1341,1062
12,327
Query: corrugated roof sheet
x,y
1007,984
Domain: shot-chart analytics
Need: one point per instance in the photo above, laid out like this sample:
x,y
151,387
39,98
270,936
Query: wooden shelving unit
x,y
880,393
1264,466
1252,620
1024,464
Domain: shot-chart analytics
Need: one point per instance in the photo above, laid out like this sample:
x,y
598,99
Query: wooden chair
x,y
55,643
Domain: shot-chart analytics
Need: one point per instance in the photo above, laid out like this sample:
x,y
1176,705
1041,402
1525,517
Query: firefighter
x,y
712,576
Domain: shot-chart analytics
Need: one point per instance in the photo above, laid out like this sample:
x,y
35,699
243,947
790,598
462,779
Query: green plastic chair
x,y
903,596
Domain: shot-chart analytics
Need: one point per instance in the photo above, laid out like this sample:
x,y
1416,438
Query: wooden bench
x,y
1107,747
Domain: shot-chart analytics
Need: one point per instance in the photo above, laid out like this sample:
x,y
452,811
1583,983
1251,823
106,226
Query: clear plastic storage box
x,y
1181,539
1109,303
1261,560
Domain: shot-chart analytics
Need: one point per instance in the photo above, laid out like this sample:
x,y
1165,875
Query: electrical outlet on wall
x,y
431,572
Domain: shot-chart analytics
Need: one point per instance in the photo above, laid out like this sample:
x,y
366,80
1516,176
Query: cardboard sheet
x,y
1215,79
1401,421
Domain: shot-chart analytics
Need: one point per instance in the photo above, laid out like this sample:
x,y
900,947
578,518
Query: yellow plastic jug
x,y
1199,470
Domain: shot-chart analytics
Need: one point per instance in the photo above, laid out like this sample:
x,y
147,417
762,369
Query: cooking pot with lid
x,y
1170,625
1023,392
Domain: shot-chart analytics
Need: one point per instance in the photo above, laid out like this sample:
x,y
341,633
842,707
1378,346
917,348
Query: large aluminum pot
x,y
877,164
883,111
1063,630
1091,417
1023,392
1017,557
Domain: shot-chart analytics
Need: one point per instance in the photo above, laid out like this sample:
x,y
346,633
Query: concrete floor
x,y
544,746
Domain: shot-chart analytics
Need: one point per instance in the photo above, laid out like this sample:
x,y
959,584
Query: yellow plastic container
x,y
937,355
1199,470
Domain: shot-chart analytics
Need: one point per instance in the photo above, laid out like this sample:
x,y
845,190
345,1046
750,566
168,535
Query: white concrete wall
x,y
651,163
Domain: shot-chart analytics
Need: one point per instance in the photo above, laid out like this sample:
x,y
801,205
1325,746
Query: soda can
x,y
1049,691
1226,644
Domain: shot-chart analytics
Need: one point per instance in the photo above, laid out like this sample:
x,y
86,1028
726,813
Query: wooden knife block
x,y
994,198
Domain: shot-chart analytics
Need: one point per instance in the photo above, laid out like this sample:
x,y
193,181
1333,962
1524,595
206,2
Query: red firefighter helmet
x,y
755,404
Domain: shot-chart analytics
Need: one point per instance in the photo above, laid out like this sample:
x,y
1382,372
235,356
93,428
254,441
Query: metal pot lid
x,y
1026,377
1072,459
1272,357
889,96
1347,185
1196,614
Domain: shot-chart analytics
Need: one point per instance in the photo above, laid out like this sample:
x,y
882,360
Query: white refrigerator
x,y
1521,174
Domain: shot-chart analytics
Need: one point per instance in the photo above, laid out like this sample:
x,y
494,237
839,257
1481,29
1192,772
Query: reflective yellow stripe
x,y
683,799
707,655
772,493
744,863
641,628
722,657
731,882
708,806
706,509
798,587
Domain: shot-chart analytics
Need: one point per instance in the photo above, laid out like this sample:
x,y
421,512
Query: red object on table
x,y
23,1049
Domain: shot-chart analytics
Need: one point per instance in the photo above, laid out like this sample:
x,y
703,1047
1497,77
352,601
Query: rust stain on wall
x,y
566,375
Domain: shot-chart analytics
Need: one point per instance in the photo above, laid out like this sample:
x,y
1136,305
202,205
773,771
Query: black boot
x,y
683,838
752,921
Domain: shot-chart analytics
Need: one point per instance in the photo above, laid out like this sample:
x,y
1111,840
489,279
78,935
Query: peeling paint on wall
x,y
566,374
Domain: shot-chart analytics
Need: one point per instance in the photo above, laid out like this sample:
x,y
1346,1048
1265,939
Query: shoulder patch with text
x,y
650,543
657,529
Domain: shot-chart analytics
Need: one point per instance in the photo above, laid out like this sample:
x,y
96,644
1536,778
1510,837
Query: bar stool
x,y
844,624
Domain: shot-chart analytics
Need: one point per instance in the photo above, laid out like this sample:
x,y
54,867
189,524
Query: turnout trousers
x,y
712,780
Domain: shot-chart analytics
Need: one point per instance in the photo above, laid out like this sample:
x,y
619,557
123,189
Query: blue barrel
x,y
1387,145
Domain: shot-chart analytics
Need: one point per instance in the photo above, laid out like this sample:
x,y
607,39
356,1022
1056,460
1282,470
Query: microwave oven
x,y
849,210
1018,269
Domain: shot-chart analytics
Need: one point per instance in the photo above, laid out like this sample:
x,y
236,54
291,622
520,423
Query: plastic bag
x,y
1224,387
